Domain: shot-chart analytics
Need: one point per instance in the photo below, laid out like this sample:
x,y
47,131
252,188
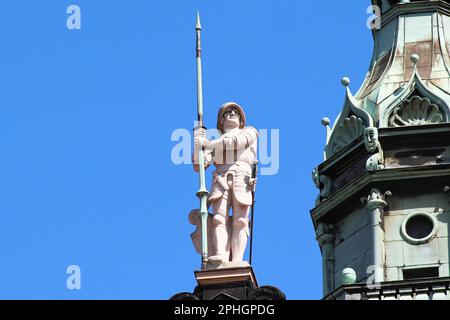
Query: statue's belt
x,y
225,180
237,167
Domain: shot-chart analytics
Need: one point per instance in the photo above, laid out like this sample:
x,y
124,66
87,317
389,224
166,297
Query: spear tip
x,y
198,25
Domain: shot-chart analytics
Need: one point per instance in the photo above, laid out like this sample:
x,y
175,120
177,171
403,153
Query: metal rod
x,y
202,193
254,174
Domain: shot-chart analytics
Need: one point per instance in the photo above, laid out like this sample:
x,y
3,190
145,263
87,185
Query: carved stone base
x,y
230,284
227,265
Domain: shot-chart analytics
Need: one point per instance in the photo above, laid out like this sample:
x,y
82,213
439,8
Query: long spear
x,y
202,193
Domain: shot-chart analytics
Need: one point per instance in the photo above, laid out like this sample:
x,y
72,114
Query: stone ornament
x,y
371,139
375,161
266,293
253,294
348,276
325,233
347,132
416,111
394,110
323,183
376,199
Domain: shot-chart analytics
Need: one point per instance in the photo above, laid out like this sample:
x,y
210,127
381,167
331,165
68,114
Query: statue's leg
x,y
240,230
220,210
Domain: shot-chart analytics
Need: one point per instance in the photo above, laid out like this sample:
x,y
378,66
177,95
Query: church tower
x,y
382,216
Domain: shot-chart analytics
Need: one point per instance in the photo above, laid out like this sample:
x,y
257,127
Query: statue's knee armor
x,y
241,223
219,220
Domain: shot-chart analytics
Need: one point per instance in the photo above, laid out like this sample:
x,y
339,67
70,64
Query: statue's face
x,y
231,118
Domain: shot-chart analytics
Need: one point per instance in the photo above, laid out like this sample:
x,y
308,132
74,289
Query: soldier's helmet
x,y
224,108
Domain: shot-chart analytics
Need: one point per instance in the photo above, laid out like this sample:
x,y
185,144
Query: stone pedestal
x,y
226,284
237,283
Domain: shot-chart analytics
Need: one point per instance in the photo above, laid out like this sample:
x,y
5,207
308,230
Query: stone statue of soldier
x,y
233,154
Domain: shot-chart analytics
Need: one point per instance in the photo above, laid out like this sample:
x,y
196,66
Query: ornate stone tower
x,y
382,216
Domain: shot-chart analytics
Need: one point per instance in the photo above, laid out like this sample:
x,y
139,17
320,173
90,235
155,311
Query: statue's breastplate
x,y
227,158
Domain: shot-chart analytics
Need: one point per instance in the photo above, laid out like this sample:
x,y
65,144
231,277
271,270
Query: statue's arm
x,y
243,140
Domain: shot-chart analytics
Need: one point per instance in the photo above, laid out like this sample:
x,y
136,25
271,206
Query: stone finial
x,y
325,121
345,81
348,276
415,59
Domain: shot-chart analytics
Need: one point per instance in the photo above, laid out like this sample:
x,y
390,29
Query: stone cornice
x,y
369,179
415,130
342,154
406,131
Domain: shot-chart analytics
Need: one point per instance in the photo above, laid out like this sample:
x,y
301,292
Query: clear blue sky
x,y
86,118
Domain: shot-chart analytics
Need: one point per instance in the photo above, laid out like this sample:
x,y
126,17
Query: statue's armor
x,y
233,164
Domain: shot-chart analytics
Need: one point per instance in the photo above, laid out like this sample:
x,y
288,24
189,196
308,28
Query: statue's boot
x,y
216,259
